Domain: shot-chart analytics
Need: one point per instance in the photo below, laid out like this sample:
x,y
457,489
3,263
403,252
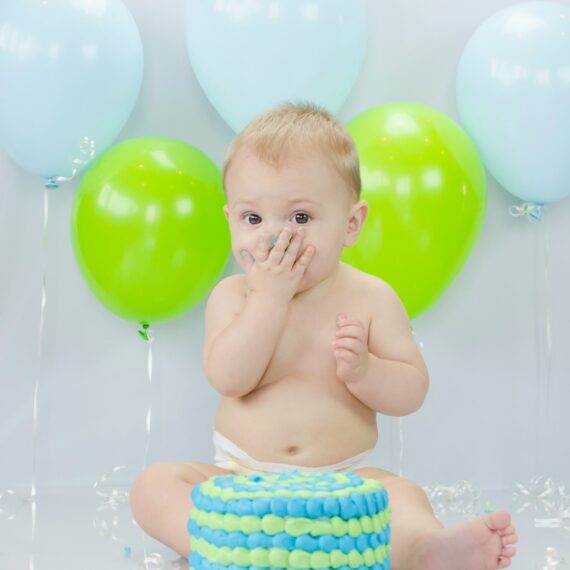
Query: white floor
x,y
75,530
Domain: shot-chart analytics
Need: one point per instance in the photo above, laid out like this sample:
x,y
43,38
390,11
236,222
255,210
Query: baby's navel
x,y
292,449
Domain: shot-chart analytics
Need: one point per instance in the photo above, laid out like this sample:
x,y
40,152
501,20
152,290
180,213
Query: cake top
x,y
294,493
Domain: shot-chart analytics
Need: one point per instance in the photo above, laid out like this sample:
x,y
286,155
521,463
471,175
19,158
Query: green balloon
x,y
426,190
148,228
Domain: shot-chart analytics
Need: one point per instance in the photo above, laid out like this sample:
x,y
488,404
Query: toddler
x,y
305,350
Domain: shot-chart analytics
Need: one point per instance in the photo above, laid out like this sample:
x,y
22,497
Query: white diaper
x,y
229,456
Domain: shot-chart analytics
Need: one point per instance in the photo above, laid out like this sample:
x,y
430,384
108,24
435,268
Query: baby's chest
x,y
305,347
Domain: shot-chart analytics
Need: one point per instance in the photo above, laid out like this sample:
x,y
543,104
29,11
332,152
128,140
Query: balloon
x,y
71,72
513,94
148,228
426,191
250,56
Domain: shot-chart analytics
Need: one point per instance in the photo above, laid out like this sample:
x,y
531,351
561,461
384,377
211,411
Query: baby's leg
x,y
411,516
160,500
419,540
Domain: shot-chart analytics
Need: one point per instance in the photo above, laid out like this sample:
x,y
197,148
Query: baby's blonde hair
x,y
292,128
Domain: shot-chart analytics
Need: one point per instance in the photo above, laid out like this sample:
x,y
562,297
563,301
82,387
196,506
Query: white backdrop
x,y
484,340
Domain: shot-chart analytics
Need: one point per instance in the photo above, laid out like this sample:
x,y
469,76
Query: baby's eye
x,y
302,217
254,216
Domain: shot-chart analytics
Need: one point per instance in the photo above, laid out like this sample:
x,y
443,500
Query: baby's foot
x,y
481,544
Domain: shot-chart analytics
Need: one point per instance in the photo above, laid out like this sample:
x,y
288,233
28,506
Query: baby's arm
x,y
241,335
397,379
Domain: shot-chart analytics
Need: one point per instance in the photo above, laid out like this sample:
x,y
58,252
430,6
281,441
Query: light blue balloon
x,y
513,93
69,69
249,56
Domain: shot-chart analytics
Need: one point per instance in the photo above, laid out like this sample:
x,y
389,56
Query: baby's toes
x,y
510,539
509,530
498,521
504,563
508,552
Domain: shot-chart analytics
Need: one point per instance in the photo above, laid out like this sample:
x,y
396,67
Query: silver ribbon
x,y
87,150
553,559
461,498
113,518
549,500
10,501
532,210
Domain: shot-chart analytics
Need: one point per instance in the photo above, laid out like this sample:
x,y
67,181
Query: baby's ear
x,y
226,212
357,217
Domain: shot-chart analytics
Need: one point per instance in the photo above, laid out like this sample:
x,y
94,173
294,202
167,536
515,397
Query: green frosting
x,y
279,557
298,526
240,556
260,557
272,524
355,559
320,559
299,559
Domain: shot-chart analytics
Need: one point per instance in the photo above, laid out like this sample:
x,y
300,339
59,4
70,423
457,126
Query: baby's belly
x,y
298,420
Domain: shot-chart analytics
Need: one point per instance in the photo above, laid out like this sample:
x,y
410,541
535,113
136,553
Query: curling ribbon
x,y
531,210
87,149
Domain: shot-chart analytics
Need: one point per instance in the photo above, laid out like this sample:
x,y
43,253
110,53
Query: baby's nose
x,y
275,232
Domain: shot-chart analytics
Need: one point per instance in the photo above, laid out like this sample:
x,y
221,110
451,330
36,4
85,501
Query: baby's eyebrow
x,y
291,201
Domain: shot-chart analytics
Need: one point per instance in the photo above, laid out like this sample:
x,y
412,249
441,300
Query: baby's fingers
x,y
262,246
304,259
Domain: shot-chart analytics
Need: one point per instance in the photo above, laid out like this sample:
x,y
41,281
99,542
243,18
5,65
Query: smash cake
x,y
289,519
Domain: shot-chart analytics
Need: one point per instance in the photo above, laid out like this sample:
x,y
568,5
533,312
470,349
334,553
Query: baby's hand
x,y
277,271
350,349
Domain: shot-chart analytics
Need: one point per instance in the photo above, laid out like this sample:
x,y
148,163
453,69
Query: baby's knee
x,y
149,483
148,488
144,488
395,485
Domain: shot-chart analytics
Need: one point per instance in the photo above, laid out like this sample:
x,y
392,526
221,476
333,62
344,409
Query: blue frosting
x,y
346,506
325,542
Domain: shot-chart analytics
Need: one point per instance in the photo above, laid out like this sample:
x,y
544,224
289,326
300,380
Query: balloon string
x,y
544,384
401,442
400,421
146,334
149,411
543,331
33,489
536,276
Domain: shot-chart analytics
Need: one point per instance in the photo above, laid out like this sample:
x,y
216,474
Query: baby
x,y
305,350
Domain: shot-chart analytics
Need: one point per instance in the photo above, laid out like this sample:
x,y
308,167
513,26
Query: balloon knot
x,y
50,183
146,331
531,210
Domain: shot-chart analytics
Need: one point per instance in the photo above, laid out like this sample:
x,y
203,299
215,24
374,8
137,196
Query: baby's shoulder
x,y
368,285
229,290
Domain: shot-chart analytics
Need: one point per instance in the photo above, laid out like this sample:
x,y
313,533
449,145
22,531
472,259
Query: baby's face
x,y
307,192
